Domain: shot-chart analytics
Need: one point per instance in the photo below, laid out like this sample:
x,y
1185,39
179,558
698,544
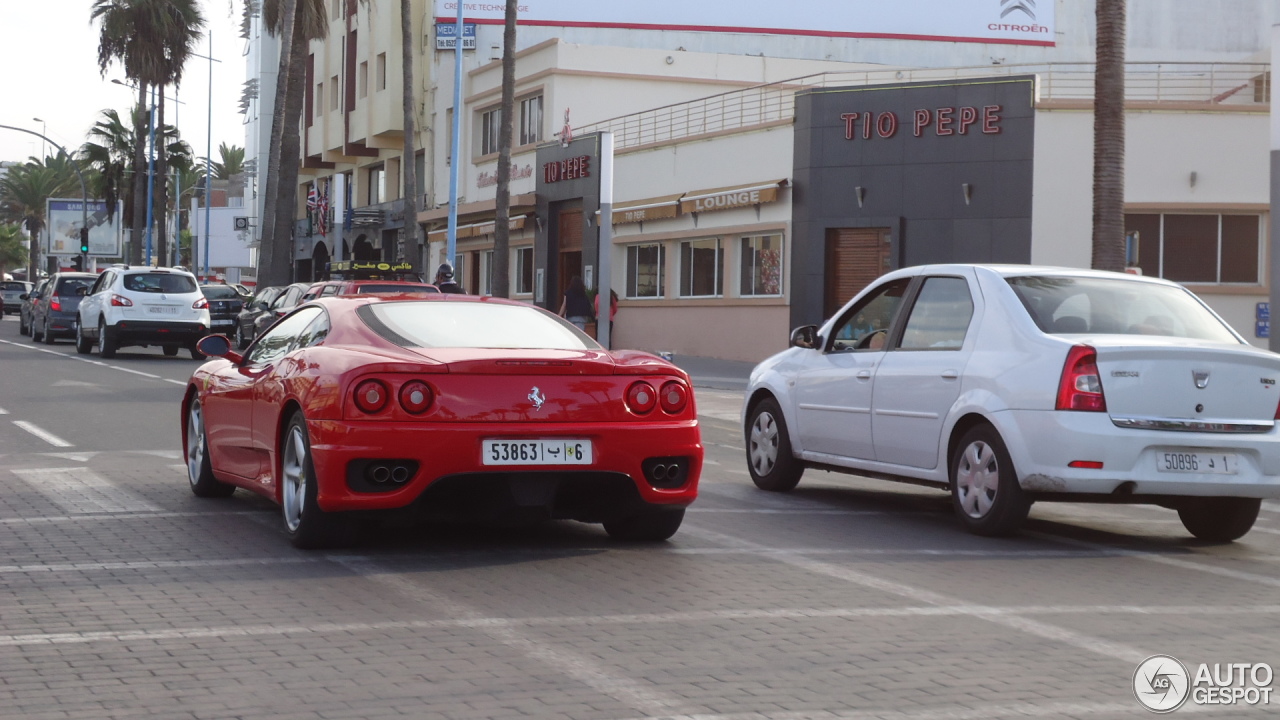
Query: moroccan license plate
x,y
163,310
536,452
224,322
1196,461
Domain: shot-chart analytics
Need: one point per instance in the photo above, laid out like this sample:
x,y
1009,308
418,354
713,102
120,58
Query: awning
x,y
477,229
657,208
728,198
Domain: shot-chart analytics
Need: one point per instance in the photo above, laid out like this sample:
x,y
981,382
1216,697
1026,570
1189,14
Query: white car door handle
x,y
950,374
863,375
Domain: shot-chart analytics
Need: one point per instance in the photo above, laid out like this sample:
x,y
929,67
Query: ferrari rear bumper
x,y
446,459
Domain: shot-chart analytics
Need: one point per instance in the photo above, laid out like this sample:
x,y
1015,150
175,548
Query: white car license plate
x,y
536,452
163,310
1196,461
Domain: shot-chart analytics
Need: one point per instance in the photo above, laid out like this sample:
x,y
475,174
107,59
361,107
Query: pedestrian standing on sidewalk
x,y
445,281
613,310
575,307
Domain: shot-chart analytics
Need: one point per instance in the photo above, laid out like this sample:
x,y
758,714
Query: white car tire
x,y
984,484
1219,519
770,461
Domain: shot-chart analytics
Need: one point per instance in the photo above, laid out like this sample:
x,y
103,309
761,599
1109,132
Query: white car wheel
x,y
984,484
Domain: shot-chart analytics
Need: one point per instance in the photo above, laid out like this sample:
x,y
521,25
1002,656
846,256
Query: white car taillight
x,y
1081,386
200,304
120,301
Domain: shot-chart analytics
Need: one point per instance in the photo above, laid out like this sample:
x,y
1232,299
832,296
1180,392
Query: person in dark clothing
x,y
575,307
445,281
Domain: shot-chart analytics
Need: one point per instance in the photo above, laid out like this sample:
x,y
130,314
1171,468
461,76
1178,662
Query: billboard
x,y
64,219
1022,22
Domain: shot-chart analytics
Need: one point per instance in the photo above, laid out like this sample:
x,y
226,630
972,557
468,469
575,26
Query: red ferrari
x,y
453,406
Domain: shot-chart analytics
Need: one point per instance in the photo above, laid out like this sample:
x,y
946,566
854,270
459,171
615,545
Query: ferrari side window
x,y
280,339
315,332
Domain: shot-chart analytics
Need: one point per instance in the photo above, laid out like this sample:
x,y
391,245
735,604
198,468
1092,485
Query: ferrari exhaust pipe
x,y
399,474
380,474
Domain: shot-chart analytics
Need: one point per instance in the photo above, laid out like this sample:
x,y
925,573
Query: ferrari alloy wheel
x,y
199,469
304,522
1219,519
984,486
769,457
106,341
83,346
649,525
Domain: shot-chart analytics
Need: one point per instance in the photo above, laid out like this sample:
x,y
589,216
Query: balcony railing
x,y
1235,84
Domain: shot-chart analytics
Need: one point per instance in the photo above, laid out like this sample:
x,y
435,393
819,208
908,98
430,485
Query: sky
x,y
49,56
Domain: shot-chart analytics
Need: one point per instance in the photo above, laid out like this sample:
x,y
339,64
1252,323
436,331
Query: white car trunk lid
x,y
1194,382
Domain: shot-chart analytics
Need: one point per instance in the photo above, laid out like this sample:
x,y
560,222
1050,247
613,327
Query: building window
x,y
333,93
490,127
761,265
531,120
1196,248
645,267
459,269
381,69
362,80
486,272
700,262
377,184
319,99
336,12
524,271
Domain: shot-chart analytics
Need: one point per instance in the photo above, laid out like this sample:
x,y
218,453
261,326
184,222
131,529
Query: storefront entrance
x,y
569,227
855,257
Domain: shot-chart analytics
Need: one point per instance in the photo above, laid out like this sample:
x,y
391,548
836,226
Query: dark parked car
x,y
11,292
29,301
289,299
54,315
225,305
246,321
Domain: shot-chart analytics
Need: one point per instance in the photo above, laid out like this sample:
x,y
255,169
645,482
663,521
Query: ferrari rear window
x,y
473,325
159,283
1064,305
390,288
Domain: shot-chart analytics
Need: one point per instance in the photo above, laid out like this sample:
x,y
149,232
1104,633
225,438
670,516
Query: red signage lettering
x,y
571,169
943,121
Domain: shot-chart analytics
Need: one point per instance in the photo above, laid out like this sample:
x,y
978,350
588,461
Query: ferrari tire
x,y
984,485
648,525
1219,519
199,468
170,350
772,465
305,523
83,346
106,341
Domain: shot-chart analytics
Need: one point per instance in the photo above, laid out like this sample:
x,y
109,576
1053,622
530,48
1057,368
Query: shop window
x,y
1203,249
645,268
761,265
531,120
700,263
490,126
377,184
524,271
486,273
381,70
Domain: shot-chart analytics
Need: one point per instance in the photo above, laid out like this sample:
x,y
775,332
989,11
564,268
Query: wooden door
x,y
855,257
569,243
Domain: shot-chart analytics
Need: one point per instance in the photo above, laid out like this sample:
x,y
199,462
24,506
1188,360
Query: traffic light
x,y
78,263
84,241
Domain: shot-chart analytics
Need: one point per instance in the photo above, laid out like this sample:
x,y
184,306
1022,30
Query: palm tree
x,y
24,190
12,254
296,23
410,247
232,162
502,224
1108,138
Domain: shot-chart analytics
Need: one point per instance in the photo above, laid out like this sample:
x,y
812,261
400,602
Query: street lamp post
x,y
208,160
84,198
43,131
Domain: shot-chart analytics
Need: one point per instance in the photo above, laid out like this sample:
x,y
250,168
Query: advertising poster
x,y
1023,22
66,217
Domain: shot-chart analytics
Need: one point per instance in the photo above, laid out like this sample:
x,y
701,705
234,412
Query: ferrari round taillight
x,y
641,398
673,397
416,397
371,396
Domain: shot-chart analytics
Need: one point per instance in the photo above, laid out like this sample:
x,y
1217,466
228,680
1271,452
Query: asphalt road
x,y
123,596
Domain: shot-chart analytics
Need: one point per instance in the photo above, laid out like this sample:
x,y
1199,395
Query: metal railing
x,y
759,106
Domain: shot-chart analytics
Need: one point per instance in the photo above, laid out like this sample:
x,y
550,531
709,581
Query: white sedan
x,y
1012,384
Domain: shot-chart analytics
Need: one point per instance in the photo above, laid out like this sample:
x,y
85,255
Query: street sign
x,y
1262,329
1263,311
446,34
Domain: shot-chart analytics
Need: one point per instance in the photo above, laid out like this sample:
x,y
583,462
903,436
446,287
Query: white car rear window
x,y
159,283
473,325
1063,305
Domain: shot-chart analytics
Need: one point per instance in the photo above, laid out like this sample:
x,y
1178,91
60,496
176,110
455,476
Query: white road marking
x,y
1271,505
3,411
94,362
945,712
1107,648
152,565
175,382
574,621
1163,560
80,491
135,372
73,383
637,694
43,434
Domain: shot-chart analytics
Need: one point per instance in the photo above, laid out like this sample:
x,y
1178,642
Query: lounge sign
x,y
729,198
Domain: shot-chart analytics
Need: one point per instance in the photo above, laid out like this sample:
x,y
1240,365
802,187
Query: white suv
x,y
142,306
